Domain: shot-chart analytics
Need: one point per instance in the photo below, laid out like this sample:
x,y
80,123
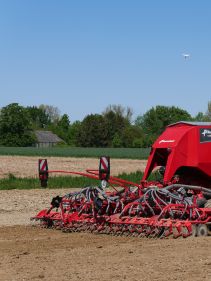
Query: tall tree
x,y
61,128
15,127
117,119
64,122
52,112
38,116
73,133
155,120
119,110
208,113
130,134
201,117
92,132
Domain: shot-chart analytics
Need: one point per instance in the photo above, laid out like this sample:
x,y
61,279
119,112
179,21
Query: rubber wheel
x,y
208,204
194,230
202,230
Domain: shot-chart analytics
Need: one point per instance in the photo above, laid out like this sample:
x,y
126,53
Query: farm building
x,y
47,139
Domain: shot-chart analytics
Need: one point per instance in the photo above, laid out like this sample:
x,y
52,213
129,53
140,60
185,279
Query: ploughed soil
x,y
27,166
31,253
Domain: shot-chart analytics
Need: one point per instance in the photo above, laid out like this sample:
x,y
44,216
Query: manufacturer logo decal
x,y
205,135
163,141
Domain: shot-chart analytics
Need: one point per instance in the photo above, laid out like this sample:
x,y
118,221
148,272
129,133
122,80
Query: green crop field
x,y
127,153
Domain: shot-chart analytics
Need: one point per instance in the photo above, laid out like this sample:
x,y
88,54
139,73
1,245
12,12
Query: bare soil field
x,y
27,166
30,253
38,254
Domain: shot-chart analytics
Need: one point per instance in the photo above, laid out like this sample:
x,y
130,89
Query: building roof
x,y
47,137
192,123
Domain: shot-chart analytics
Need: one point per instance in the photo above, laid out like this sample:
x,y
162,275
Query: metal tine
x,y
176,232
143,233
185,232
148,230
127,233
154,232
160,232
166,233
108,229
135,234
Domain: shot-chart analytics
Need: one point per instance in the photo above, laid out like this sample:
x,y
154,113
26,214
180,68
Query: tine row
x,y
133,230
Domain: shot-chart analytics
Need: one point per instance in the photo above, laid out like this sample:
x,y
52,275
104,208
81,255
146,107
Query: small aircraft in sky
x,y
186,56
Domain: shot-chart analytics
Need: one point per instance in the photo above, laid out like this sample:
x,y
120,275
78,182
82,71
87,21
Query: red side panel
x,y
181,145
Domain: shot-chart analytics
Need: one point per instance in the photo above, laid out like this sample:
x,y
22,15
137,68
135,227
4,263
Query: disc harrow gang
x,y
178,204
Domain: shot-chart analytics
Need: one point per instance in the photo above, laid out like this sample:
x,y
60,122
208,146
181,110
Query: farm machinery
x,y
178,204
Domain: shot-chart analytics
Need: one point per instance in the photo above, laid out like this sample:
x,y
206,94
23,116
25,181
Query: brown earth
x,y
25,166
31,253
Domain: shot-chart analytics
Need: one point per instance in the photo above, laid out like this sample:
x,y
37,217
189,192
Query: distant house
x,y
47,139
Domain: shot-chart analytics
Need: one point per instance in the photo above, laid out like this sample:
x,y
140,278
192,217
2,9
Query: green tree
x,y
117,109
38,117
201,117
64,122
117,119
138,142
92,132
73,133
129,134
204,117
117,141
155,120
208,113
61,128
15,126
52,112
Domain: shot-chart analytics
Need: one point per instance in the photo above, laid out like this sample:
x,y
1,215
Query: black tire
x,y
194,230
202,230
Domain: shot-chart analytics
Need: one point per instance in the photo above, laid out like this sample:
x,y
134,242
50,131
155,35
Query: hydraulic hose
x,y
193,187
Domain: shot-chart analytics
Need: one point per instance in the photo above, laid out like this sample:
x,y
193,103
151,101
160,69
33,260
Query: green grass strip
x,y
59,182
122,153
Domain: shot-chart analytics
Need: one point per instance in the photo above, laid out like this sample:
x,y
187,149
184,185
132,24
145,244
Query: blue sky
x,y
83,55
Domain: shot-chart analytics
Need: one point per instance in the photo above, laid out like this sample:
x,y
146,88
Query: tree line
x,y
114,127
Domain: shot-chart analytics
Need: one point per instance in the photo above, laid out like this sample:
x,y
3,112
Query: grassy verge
x,y
59,182
127,153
